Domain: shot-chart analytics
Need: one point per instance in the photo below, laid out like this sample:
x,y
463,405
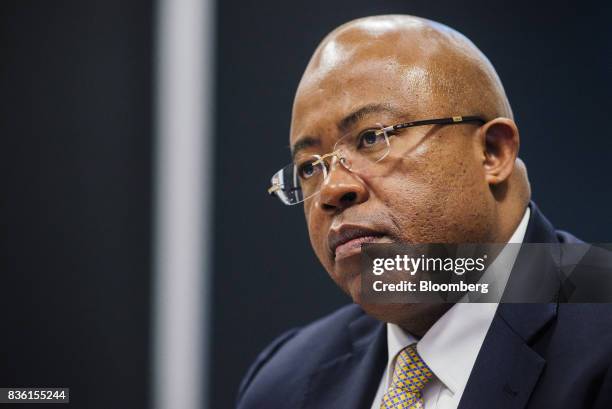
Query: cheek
x,y
435,197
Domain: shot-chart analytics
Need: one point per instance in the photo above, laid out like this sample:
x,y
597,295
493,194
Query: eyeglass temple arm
x,y
275,188
272,189
440,121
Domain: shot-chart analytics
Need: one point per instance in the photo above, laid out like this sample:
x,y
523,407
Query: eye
x,y
369,139
307,170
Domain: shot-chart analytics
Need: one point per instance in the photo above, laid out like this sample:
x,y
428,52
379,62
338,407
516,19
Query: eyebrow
x,y
303,143
344,124
352,118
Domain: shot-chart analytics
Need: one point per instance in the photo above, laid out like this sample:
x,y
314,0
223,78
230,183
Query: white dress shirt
x,y
451,345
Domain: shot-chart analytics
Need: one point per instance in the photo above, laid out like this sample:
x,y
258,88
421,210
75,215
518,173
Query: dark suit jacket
x,y
544,356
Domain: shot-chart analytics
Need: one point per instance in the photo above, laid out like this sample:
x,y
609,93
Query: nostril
x,y
346,200
348,197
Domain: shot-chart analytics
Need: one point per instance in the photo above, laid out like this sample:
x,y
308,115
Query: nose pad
x,y
345,162
338,156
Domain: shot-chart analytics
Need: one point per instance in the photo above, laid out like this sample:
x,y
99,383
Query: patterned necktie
x,y
409,378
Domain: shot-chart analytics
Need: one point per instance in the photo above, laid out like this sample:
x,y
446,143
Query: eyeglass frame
x,y
453,120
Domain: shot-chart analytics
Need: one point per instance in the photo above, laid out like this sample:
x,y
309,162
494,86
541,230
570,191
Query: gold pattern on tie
x,y
410,376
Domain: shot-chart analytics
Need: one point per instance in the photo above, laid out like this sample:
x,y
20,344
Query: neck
x,y
418,325
508,219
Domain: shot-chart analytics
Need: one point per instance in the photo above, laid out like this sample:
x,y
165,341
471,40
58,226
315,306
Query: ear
x,y
500,141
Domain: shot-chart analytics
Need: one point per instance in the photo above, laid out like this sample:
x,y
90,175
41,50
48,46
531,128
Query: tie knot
x,y
410,373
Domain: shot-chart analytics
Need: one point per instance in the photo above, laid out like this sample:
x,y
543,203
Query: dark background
x,y
75,209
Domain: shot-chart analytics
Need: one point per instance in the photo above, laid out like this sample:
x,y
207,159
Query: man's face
x,y
433,192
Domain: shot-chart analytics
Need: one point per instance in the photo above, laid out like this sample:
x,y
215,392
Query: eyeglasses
x,y
359,151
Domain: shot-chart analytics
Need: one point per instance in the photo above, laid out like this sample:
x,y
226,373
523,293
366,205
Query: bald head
x,y
428,60
452,183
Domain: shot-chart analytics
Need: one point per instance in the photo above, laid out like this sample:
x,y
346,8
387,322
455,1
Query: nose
x,y
341,189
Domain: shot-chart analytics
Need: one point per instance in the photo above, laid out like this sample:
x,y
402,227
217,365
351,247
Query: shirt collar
x,y
451,345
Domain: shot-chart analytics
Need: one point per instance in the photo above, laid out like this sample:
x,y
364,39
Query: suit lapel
x,y
507,368
350,381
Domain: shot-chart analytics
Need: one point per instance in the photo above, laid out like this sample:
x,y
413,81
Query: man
x,y
453,178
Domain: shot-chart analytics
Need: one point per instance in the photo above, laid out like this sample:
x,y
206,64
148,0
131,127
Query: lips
x,y
347,240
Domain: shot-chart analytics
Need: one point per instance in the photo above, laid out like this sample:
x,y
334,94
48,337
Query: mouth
x,y
347,240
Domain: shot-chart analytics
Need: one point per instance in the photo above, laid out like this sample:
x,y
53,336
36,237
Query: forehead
x,y
343,76
321,106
